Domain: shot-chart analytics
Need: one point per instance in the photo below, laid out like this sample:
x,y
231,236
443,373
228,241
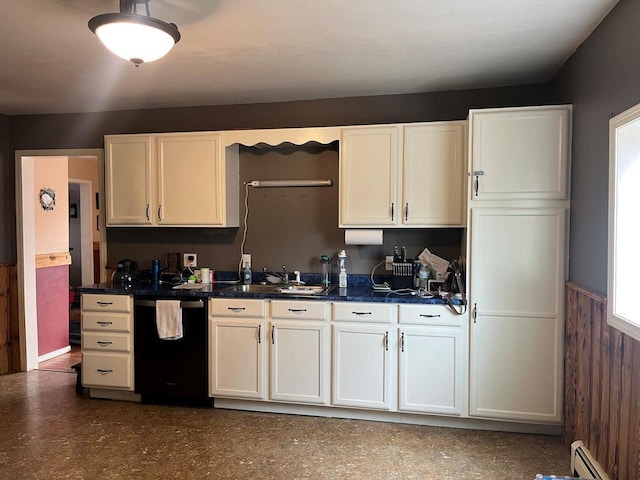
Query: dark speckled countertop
x,y
359,290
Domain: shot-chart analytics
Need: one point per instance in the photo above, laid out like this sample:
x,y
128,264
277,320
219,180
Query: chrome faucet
x,y
283,277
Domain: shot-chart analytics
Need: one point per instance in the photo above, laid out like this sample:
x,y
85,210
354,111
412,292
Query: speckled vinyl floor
x,y
47,431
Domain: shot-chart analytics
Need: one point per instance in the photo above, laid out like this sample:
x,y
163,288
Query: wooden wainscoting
x,y
9,327
602,385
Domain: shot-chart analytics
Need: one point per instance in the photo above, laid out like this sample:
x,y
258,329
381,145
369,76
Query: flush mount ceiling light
x,y
134,37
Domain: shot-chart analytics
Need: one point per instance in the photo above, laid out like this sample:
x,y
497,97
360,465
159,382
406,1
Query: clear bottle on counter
x,y
342,265
423,277
325,280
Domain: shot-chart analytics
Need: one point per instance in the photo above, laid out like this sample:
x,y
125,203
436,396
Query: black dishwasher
x,y
171,371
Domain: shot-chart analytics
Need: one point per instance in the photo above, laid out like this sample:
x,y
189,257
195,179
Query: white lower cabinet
x,y
432,360
363,355
237,353
299,352
107,341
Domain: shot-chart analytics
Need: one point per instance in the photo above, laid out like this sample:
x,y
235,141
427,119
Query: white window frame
x,y
623,308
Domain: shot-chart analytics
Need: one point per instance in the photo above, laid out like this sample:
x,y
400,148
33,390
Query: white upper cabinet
x,y
402,175
184,179
433,174
520,153
368,176
129,179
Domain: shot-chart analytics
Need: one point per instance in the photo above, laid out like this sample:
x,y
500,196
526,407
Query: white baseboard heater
x,y
583,464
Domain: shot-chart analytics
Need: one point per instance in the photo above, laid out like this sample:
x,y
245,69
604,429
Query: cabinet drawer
x,y
365,312
114,322
107,370
429,315
237,307
299,310
106,303
106,342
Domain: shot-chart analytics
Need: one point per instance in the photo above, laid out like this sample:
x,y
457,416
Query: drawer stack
x,y
107,341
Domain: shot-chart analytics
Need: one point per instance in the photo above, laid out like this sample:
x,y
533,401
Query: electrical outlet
x,y
388,263
246,258
189,260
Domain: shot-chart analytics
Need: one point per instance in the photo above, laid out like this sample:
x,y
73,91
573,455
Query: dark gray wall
x,y
601,79
219,248
7,197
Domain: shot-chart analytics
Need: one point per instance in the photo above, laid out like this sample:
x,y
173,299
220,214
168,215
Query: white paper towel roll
x,y
363,237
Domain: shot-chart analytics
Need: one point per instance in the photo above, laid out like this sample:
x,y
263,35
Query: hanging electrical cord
x,y
244,234
380,287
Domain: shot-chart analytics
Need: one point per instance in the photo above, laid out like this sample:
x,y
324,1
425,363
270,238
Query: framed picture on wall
x,y
73,210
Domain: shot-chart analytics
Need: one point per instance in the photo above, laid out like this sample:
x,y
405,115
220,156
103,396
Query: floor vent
x,y
583,464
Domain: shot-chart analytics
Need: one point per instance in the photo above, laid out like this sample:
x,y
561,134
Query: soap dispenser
x,y
342,275
246,275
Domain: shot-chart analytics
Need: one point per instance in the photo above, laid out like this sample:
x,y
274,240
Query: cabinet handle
x,y
236,309
298,310
159,213
406,212
386,341
393,212
147,213
477,173
104,343
103,371
361,313
425,315
475,312
104,323
402,342
273,330
105,304
259,333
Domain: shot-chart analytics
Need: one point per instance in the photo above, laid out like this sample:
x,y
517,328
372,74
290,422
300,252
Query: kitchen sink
x,y
252,288
279,289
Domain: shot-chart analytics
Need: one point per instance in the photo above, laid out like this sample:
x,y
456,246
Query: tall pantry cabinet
x,y
518,219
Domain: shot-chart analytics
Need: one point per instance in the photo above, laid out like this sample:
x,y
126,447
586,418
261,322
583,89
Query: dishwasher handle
x,y
183,303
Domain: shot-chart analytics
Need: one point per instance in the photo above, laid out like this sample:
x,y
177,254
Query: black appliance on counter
x,y
126,272
171,371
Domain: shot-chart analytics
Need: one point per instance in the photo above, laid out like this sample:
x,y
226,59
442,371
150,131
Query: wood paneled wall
x,y
9,328
602,385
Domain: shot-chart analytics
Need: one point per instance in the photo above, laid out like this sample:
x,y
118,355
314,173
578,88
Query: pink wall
x,y
52,236
52,300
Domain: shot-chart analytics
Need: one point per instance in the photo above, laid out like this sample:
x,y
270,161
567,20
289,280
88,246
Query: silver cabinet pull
x,y
259,333
236,309
402,342
273,330
298,310
425,315
386,341
104,343
102,371
361,313
475,313
393,212
146,213
159,213
104,324
104,304
406,212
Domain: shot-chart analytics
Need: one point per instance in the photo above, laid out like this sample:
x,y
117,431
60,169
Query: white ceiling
x,y
250,51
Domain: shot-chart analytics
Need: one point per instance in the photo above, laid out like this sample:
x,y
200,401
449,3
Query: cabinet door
x,y
368,176
520,153
434,174
128,177
361,365
298,362
431,370
237,358
517,282
190,180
